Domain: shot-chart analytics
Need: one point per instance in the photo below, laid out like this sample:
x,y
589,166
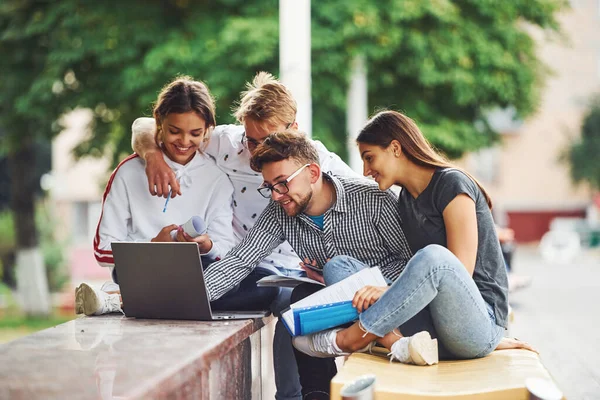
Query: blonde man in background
x,y
265,107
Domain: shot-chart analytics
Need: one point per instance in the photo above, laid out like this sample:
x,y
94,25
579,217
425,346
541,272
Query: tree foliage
x,y
582,155
445,63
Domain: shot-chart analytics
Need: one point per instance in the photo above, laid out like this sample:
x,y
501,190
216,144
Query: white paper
x,y
338,292
285,281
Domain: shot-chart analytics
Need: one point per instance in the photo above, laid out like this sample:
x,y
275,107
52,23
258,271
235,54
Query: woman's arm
x,y
460,219
161,177
113,222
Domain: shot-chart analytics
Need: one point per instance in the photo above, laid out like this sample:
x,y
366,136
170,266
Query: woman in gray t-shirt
x,y
454,288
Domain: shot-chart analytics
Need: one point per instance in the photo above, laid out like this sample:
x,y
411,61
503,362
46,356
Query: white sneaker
x,y
419,349
110,286
91,301
322,344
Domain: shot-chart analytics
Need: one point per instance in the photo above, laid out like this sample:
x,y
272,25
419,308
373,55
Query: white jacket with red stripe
x,y
131,213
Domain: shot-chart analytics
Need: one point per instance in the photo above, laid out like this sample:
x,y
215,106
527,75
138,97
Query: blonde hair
x,y
387,126
266,100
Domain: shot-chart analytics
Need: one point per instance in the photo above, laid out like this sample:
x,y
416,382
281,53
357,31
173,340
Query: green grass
x,y
4,289
31,323
14,324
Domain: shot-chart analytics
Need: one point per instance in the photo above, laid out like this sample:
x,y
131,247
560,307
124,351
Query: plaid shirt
x,y
364,223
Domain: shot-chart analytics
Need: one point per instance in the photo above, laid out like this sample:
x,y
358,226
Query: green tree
x,y
444,62
582,155
111,57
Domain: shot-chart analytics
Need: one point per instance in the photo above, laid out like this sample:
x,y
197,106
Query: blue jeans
x,y
246,295
287,380
434,293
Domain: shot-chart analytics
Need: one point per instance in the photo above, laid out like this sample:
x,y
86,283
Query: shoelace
x,y
324,342
362,328
393,355
110,305
321,342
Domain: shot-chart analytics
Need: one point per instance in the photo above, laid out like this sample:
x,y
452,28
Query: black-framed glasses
x,y
252,144
280,187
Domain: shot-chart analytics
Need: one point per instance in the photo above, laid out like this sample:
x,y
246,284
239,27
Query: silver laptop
x,y
165,281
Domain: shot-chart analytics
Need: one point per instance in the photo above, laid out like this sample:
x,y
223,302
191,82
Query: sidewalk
x,y
559,315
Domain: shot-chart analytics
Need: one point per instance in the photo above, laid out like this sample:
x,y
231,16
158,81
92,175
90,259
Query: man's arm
x,y
265,235
161,177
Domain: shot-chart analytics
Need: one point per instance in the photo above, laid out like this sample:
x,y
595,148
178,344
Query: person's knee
x,y
434,255
282,301
268,294
339,268
435,251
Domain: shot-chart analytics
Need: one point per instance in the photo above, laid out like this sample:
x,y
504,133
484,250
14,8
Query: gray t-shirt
x,y
423,224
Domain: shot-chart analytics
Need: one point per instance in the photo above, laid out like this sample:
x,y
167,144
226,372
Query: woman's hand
x,y
514,343
367,296
165,234
203,241
161,177
311,273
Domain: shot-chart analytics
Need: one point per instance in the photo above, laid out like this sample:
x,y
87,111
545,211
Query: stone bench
x,y
114,357
499,376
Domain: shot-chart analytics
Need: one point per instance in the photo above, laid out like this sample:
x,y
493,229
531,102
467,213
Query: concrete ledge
x,y
113,356
499,376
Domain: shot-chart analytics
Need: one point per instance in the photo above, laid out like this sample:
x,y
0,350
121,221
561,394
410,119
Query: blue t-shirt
x,y
318,220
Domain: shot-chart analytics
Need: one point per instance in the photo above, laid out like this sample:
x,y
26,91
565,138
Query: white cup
x,y
194,227
363,388
542,389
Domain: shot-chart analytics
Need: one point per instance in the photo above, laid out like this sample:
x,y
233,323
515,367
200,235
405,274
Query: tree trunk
x,y
32,283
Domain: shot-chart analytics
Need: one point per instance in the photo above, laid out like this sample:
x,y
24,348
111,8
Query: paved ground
x,y
560,315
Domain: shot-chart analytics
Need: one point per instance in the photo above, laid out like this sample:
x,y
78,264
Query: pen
x,y
167,202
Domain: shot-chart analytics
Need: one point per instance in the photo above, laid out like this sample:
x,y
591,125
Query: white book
x,y
285,281
336,293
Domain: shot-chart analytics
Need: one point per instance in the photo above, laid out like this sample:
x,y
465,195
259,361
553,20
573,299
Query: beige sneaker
x,y
422,350
91,301
78,302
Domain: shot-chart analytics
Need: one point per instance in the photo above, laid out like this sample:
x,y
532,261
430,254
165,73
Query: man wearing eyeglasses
x,y
266,107
322,216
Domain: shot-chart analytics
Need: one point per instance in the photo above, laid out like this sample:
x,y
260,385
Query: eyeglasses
x,y
252,144
280,187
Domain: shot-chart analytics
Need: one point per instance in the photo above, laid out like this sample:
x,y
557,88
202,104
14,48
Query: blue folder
x,y
313,319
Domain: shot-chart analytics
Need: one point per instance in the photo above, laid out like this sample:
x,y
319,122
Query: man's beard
x,y
302,205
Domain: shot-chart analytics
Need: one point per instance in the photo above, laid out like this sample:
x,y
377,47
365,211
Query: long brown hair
x,y
183,95
387,126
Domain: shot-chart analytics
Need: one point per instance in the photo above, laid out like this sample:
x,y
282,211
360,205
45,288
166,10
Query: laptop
x,y
165,281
